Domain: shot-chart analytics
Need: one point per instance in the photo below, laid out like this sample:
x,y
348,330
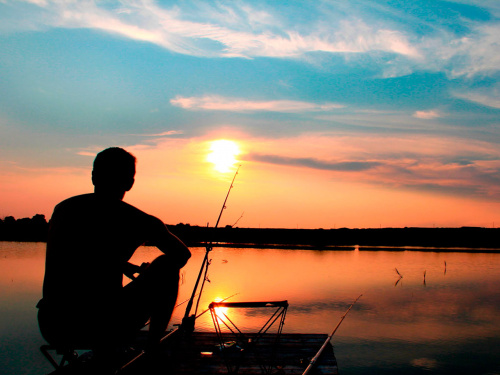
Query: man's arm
x,y
177,249
171,245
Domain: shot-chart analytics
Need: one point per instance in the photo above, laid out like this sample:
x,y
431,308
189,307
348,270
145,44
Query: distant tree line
x,y
25,229
342,238
35,229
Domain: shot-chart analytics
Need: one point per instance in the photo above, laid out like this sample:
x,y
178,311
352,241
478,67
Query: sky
x,y
359,114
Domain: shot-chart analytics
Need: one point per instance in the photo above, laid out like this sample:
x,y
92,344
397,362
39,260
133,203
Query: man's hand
x,y
131,269
144,266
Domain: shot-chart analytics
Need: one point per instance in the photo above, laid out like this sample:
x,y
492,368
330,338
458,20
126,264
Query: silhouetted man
x,y
91,238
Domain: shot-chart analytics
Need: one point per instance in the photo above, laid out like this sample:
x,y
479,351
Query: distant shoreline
x,y
347,248
464,239
332,248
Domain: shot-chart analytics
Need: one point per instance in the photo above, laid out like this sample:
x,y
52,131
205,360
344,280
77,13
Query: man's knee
x,y
162,268
164,263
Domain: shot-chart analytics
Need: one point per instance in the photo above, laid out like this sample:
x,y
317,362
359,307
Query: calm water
x,y
448,325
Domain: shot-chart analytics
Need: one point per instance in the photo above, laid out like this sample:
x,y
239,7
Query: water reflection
x,y
449,324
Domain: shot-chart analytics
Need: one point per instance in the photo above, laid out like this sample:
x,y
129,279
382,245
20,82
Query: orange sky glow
x,y
177,182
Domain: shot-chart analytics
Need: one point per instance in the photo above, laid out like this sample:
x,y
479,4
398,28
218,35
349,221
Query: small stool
x,y
69,355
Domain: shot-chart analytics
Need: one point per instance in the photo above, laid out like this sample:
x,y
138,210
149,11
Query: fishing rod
x,y
313,361
188,319
196,317
166,337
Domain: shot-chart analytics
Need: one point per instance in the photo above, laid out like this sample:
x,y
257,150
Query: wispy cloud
x,y
233,29
238,29
167,133
219,103
86,153
488,99
476,53
314,163
373,121
450,166
472,179
427,115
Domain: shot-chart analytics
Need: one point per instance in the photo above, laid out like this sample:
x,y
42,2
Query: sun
x,y
220,311
223,154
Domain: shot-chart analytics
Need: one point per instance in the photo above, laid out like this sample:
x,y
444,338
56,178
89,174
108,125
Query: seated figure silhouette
x,y
91,238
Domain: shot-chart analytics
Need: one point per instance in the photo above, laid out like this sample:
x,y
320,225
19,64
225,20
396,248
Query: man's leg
x,y
153,295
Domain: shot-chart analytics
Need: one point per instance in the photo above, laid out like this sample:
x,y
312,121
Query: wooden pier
x,y
201,353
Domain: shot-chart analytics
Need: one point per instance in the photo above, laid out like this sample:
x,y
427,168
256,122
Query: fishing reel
x,y
188,324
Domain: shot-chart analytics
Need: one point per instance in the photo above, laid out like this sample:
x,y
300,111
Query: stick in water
x,y
400,276
318,354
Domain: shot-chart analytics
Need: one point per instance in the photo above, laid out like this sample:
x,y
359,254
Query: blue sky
x,y
388,96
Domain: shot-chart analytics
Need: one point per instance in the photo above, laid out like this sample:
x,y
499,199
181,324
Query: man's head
x,y
114,171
